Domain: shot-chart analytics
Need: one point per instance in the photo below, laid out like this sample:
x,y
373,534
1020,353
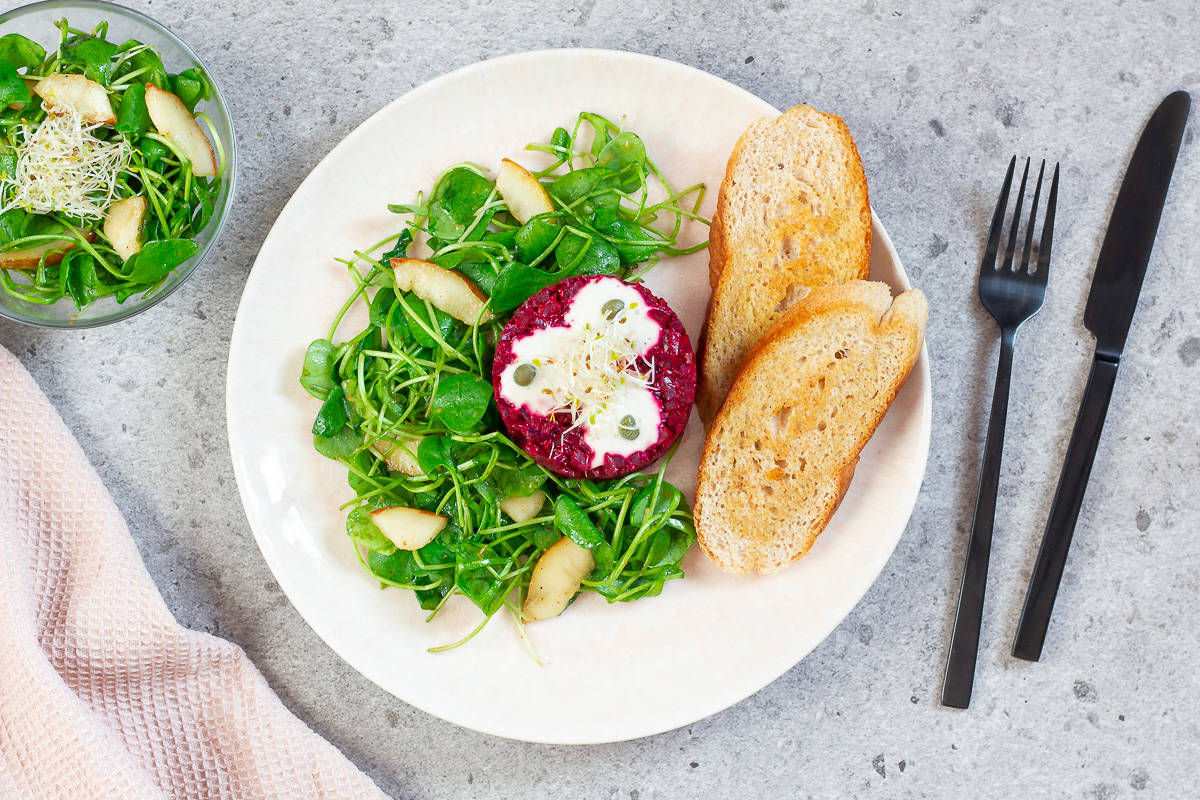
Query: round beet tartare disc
x,y
594,377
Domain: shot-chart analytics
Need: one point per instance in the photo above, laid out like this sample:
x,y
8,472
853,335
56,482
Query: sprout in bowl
x,y
594,377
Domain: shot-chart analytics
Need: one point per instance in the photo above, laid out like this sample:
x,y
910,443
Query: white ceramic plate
x,y
610,672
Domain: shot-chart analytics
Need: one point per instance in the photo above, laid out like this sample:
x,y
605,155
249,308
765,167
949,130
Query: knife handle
x,y
1052,557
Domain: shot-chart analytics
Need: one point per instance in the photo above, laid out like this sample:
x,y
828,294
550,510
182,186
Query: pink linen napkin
x,y
102,693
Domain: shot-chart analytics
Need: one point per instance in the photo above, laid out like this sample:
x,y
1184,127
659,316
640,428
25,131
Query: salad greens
x,y
415,382
52,254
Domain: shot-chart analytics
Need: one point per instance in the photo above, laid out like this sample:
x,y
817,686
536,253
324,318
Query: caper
x,y
629,429
612,308
524,374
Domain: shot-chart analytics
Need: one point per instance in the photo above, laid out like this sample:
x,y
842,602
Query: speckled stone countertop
x,y
939,95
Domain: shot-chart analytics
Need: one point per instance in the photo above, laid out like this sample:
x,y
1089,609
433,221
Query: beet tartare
x,y
594,377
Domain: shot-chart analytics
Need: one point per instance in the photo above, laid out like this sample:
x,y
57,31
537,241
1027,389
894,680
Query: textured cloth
x,y
102,693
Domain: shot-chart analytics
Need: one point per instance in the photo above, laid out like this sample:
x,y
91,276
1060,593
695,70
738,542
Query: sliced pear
x,y
75,91
522,192
555,579
408,528
172,119
30,257
397,459
123,225
520,509
448,290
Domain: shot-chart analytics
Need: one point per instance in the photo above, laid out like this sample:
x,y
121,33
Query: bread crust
x,y
772,543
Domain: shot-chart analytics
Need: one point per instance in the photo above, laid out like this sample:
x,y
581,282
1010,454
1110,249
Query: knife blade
x,y
1125,253
1120,270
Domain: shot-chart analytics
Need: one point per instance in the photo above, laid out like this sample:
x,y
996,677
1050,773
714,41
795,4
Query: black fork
x,y
1012,296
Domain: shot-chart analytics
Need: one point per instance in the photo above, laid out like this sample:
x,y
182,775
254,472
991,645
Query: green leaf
x,y
12,225
147,60
133,118
191,86
587,256
480,273
480,586
544,537
535,237
319,362
158,258
622,234
459,194
12,86
587,191
400,249
626,155
381,306
460,401
342,444
519,482
434,452
94,55
429,599
669,498
83,283
397,567
362,529
22,53
441,322
152,150
573,522
332,417
560,138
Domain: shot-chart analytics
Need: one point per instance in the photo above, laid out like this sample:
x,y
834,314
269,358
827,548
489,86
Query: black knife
x,y
1115,288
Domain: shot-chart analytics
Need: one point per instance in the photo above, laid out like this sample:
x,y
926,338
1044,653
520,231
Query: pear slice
x,y
123,225
75,91
522,192
172,119
397,459
555,579
448,290
520,509
408,528
30,257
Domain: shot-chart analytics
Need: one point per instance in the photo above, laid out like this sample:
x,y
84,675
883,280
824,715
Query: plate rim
x,y
880,236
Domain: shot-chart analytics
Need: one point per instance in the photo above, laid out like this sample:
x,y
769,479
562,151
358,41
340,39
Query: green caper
x,y
524,374
612,308
629,429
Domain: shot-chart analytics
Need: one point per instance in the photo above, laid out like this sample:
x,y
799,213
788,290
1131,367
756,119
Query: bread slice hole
x,y
780,421
840,354
794,294
768,489
820,384
833,412
822,425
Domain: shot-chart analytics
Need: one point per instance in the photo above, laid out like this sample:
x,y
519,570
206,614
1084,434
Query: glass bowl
x,y
36,21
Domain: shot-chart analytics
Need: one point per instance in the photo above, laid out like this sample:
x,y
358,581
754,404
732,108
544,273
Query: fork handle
x,y
1068,499
960,664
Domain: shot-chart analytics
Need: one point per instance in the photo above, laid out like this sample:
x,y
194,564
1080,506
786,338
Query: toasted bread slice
x,y
792,213
781,452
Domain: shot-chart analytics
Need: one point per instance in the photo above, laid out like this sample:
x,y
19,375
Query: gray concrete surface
x,y
938,94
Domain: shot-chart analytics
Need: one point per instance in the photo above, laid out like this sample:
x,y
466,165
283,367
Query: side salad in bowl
x,y
511,382
110,172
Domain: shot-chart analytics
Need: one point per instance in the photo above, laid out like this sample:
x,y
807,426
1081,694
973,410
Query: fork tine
x,y
993,240
1043,262
1012,235
1037,192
